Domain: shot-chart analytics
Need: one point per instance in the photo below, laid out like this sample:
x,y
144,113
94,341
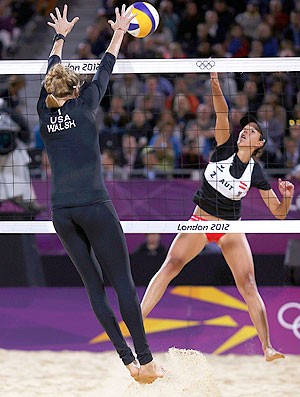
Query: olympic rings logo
x,y
206,65
293,326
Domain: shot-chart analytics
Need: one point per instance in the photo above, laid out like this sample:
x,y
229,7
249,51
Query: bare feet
x,y
272,354
134,369
149,373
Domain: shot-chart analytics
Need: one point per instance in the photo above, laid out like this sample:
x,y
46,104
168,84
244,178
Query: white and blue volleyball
x,y
146,20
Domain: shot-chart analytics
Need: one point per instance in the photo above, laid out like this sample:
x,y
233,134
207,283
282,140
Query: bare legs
x,y
238,255
183,249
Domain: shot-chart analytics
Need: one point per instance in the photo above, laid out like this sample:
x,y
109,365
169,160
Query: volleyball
x,y
145,22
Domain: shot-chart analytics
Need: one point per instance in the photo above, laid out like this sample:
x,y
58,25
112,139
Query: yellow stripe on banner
x,y
151,325
211,295
224,321
245,333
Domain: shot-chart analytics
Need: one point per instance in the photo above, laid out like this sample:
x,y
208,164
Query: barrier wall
x,y
209,319
172,200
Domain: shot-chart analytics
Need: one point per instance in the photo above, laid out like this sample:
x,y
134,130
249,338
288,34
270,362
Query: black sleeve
x,y
53,60
95,91
259,178
224,151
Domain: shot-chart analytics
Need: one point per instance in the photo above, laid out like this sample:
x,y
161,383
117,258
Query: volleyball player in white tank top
x,y
227,178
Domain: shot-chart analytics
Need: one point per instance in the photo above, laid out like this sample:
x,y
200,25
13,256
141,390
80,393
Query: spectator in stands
x,y
169,18
294,131
84,51
214,28
111,170
176,51
225,16
150,169
168,116
114,123
151,247
203,124
238,45
145,259
130,154
153,99
290,152
167,147
183,102
292,31
278,16
269,41
9,30
272,122
14,165
250,18
254,99
256,49
195,149
129,87
140,128
44,7
187,29
15,181
11,96
97,36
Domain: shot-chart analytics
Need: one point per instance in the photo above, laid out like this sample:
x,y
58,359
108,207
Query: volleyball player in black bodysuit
x,y
82,212
227,178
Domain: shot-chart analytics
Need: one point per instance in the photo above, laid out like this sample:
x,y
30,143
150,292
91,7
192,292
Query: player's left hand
x,y
286,188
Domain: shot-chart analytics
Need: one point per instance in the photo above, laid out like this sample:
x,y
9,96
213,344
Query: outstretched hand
x,y
286,188
122,20
60,22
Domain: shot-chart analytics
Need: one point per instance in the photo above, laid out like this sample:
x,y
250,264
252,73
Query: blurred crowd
x,y
162,125
16,17
158,126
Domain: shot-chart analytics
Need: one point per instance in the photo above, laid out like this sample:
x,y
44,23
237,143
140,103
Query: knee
x,y
172,266
247,286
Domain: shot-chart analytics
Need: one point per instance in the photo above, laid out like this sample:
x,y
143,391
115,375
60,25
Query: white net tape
x,y
288,226
229,65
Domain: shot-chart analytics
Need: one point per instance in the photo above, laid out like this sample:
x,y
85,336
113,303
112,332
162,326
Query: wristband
x,y
58,36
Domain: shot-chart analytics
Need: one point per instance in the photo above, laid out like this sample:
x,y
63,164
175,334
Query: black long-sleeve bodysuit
x,y
82,212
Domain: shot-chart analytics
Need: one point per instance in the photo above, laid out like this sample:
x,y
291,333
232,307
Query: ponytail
x,y
51,101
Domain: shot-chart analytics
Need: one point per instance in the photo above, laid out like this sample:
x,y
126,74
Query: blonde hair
x,y
59,83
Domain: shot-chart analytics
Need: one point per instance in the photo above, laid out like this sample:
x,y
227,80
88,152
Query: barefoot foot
x,y
271,354
148,373
133,368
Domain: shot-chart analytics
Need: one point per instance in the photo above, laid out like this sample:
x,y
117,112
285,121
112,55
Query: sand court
x,y
188,373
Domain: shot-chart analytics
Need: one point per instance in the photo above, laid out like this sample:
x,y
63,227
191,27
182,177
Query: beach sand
x,y
188,373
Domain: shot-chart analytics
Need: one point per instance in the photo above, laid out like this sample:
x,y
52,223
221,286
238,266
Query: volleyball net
x,y
156,125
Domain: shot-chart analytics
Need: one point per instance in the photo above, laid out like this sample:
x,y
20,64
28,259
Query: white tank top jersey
x,y
219,177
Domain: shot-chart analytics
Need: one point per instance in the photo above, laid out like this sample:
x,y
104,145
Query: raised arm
x,y
222,131
62,28
278,208
120,27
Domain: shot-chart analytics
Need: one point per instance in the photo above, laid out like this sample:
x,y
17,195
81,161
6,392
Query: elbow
x,y
280,217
